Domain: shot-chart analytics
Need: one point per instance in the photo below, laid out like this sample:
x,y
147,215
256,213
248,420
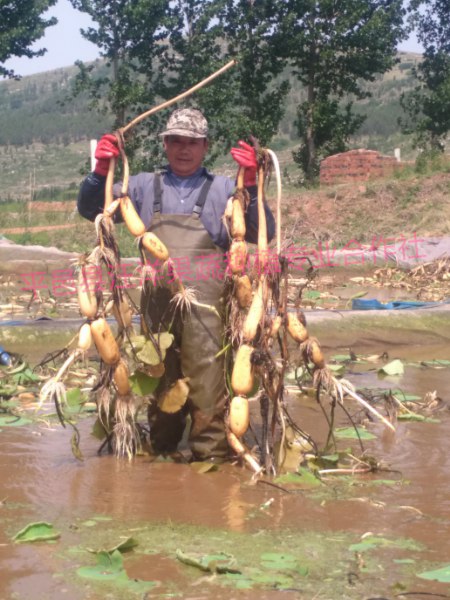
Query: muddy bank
x,y
334,329
352,258
15,258
372,327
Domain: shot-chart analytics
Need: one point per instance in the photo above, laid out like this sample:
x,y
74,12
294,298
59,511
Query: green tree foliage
x,y
242,102
21,24
186,41
334,47
131,36
428,105
158,48
259,91
33,107
332,125
192,53
33,110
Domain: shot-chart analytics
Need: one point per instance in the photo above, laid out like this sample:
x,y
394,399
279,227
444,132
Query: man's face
x,y
185,154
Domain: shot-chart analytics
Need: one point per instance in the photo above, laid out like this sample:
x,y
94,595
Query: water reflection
x,y
38,471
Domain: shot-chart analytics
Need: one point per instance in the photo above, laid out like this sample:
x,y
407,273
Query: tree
x,y
333,47
185,41
21,24
131,36
245,100
193,52
428,106
259,97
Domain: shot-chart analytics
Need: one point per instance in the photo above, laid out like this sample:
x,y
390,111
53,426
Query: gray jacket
x,y
179,195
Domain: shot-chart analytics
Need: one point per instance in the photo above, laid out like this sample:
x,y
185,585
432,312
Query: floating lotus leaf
x,y
302,478
98,430
402,397
124,546
109,566
373,541
203,467
214,563
148,353
164,340
13,421
436,363
395,367
75,399
37,532
138,341
354,433
416,417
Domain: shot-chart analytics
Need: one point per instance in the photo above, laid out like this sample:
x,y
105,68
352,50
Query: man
x,y
184,206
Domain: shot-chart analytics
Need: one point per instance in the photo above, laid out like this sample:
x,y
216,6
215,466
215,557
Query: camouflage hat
x,y
188,122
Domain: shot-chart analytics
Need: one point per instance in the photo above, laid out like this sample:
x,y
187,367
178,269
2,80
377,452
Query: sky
x,y
63,41
65,45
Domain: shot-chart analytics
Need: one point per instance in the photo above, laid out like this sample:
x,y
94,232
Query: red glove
x,y
245,156
106,149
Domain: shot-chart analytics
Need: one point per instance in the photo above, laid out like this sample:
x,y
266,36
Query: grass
x,y
39,167
80,238
395,207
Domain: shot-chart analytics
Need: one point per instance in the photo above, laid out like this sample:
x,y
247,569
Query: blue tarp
x,y
372,304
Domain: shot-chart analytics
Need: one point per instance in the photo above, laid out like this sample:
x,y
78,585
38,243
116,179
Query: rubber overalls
x,y
198,336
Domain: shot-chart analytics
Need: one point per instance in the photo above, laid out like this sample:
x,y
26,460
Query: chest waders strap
x,y
157,193
198,208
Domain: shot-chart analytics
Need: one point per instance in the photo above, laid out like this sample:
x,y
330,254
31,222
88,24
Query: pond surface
x,y
166,507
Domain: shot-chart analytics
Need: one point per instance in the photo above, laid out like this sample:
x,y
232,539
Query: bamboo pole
x,y
181,96
123,130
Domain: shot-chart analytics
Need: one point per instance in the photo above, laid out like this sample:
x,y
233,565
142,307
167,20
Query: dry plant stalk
x,y
178,98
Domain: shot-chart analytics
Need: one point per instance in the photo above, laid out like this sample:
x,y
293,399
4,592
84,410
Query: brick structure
x,y
356,165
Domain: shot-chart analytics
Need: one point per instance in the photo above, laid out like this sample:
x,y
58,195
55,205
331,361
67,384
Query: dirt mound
x,y
15,258
38,228
383,209
51,206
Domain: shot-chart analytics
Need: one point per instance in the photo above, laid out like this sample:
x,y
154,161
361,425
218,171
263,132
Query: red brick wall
x,y
356,165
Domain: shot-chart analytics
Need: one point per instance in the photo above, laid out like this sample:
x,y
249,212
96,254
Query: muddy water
x,y
41,481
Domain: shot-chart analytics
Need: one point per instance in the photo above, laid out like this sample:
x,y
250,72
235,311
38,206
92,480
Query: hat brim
x,y
182,132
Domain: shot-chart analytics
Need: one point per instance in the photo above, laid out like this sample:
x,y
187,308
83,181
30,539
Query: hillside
x,y
44,137
409,205
38,108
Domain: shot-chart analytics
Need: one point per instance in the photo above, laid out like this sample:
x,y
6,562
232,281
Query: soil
x,y
37,229
367,212
364,211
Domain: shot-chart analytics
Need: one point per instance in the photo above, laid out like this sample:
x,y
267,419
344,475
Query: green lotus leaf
x,y
395,367
12,421
353,433
37,532
164,339
142,384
